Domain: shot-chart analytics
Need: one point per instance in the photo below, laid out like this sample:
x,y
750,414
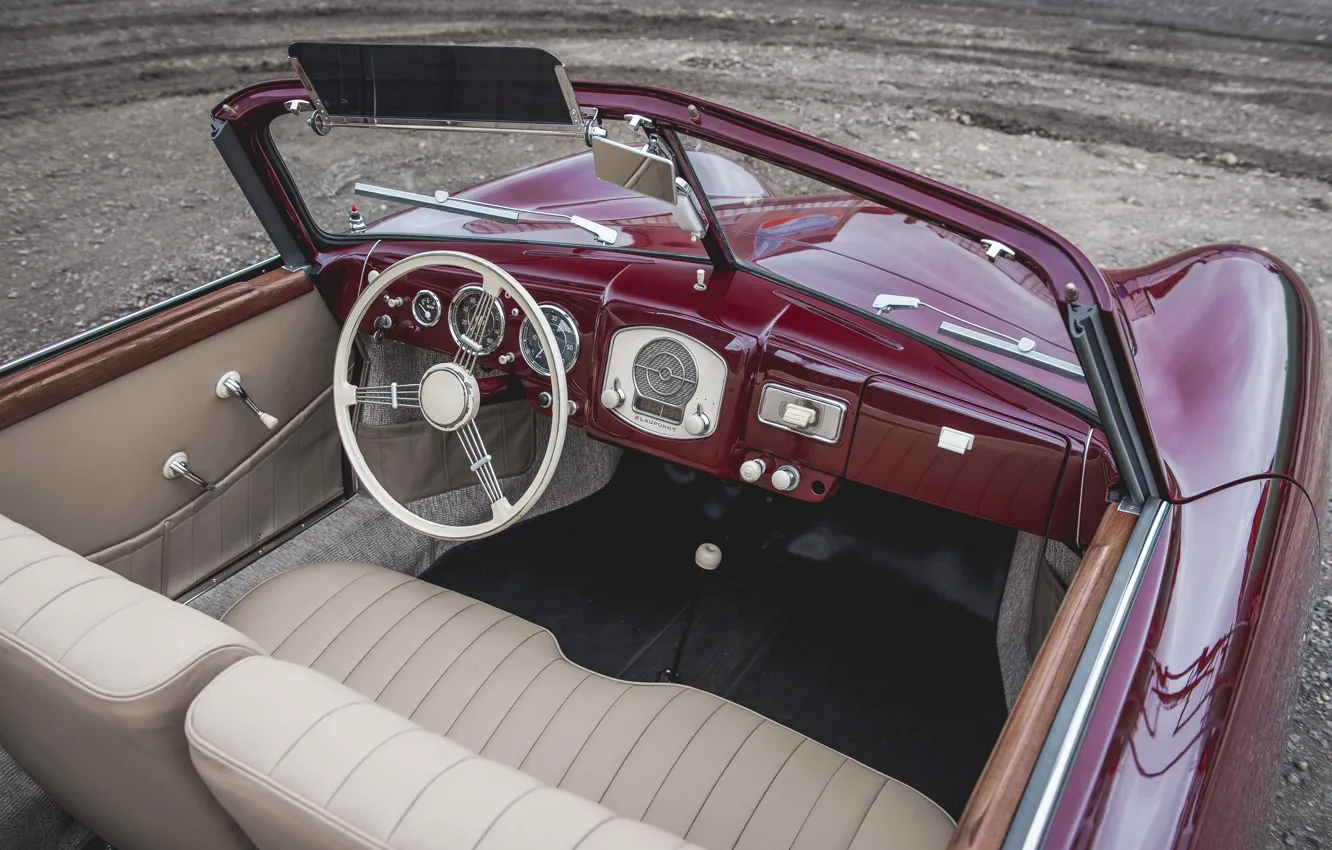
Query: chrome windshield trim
x,y
35,357
1008,349
1036,808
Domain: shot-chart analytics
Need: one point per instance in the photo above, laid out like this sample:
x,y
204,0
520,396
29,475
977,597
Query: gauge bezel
x,y
577,339
457,335
424,293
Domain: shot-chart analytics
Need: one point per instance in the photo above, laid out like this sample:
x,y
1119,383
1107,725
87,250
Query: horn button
x,y
449,396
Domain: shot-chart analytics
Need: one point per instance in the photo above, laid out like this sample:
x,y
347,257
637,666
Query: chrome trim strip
x,y
20,363
1008,349
1049,775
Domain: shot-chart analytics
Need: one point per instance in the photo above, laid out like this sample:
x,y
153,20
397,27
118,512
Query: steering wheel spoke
x,y
481,462
390,395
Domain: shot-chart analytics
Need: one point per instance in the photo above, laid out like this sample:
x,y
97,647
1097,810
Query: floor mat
x,y
865,622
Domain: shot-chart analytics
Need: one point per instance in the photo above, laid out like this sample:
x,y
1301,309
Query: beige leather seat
x,y
96,674
305,763
682,760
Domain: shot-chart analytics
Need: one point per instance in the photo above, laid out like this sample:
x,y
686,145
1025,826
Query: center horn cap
x,y
449,396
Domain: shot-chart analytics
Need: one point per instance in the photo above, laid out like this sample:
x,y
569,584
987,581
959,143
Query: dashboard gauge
x,y
476,320
426,308
566,338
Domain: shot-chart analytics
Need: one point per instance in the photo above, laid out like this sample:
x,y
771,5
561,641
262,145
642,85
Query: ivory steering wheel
x,y
449,398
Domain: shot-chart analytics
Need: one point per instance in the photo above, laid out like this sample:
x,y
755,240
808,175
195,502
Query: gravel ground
x,y
1134,128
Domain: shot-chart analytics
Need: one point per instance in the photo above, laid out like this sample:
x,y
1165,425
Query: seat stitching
x,y
95,625
493,671
546,728
720,705
302,623
363,759
308,730
868,809
20,537
502,812
510,709
593,734
48,602
406,583
815,805
637,741
449,667
32,564
764,795
420,793
704,804
595,827
388,632
428,637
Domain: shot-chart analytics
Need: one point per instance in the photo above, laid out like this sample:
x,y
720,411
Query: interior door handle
x,y
229,386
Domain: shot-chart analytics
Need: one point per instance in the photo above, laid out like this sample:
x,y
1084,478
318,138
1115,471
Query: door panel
x,y
82,461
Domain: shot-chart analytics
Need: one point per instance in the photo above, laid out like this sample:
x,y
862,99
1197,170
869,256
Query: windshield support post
x,y
256,192
1087,328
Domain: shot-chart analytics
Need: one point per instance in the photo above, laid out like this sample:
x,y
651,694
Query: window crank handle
x,y
229,386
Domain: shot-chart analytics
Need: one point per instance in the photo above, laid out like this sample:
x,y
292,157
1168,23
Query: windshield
x,y
549,180
938,282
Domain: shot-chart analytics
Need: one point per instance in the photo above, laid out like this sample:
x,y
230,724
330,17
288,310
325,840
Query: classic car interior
x,y
523,519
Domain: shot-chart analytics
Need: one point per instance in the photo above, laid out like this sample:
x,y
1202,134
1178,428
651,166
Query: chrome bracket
x,y
995,249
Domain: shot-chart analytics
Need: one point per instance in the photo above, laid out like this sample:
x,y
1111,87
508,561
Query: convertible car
x,y
598,467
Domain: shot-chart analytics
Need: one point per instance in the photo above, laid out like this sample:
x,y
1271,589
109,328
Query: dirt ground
x,y
1134,127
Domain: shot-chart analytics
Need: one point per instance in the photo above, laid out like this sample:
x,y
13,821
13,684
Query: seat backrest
x,y
96,674
303,762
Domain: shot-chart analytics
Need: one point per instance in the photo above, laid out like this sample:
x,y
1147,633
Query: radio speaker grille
x,y
665,371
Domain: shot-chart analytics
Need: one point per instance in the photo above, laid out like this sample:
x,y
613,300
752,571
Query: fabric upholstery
x,y
680,759
305,763
96,674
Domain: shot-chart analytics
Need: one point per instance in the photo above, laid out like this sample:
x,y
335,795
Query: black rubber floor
x,y
865,622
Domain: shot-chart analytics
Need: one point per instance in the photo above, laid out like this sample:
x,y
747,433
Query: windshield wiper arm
x,y
495,212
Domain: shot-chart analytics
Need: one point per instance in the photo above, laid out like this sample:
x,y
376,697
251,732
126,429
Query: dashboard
x,y
745,379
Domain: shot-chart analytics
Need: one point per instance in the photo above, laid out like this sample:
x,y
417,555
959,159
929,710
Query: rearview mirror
x,y
634,169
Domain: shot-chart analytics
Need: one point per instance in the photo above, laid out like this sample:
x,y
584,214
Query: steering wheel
x,y
449,398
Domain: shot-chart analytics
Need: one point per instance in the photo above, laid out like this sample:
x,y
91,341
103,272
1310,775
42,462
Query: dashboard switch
x,y
785,478
798,415
752,470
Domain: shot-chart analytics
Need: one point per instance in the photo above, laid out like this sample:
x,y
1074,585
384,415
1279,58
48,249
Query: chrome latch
x,y
229,386
954,440
177,466
995,249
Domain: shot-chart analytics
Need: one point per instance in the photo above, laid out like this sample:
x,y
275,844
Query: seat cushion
x,y
681,759
96,674
304,763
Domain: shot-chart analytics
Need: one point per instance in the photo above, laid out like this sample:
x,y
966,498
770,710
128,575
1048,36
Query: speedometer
x,y
566,339
476,320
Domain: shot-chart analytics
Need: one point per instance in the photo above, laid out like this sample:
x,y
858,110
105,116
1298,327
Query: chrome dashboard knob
x,y
612,397
697,423
752,470
785,478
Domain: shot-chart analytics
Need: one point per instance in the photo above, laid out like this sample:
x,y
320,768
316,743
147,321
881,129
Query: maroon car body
x,y
1217,352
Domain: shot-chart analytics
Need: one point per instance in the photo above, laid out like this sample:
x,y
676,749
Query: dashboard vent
x,y
664,371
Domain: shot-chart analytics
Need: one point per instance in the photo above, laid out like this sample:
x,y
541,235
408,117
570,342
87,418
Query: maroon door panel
x,y
1009,475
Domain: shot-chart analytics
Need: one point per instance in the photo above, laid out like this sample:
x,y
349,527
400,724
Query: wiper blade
x,y
494,212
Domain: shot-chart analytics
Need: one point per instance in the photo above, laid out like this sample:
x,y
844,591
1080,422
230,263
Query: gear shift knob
x,y
707,556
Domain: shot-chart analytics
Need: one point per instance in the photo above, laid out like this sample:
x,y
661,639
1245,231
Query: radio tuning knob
x,y
785,478
697,423
612,397
752,470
